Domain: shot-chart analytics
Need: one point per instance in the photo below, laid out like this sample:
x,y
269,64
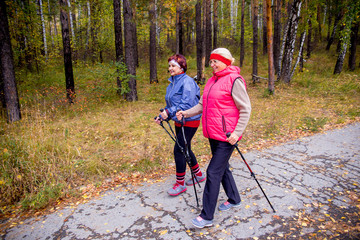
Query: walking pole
x,y
251,172
186,153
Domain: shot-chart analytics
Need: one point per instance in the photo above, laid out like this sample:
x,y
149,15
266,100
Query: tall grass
x,y
56,147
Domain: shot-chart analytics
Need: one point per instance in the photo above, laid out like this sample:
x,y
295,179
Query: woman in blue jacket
x,y
182,93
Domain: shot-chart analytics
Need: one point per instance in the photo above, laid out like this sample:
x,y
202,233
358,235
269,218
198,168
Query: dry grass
x,y
56,148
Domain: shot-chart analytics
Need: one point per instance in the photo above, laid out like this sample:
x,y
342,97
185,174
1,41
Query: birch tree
x,y
301,50
293,22
71,21
350,13
50,25
43,29
233,15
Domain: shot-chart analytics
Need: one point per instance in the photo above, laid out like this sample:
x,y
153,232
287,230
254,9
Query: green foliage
x,y
351,15
124,78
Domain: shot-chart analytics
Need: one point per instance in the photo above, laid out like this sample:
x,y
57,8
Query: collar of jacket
x,y
226,71
173,79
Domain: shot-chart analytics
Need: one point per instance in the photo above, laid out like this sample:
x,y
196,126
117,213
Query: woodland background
x,y
81,81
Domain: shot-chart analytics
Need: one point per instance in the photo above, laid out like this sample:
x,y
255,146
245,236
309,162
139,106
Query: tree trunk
x,y
153,70
255,41
329,26
43,29
353,43
88,30
277,35
134,31
265,32
7,69
232,18
118,40
290,41
332,37
318,32
215,23
222,16
309,44
199,42
118,31
179,29
208,39
302,40
341,58
130,60
233,15
242,34
71,21
93,30
271,85
2,94
203,53
69,76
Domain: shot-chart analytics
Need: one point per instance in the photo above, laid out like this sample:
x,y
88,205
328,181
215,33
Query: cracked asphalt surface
x,y
312,182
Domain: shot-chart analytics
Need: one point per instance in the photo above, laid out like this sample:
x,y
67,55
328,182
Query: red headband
x,y
220,58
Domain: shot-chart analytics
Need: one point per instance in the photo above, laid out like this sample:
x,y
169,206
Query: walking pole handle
x,y
182,121
228,134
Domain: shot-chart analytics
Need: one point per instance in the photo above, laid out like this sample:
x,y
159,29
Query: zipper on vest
x,y
207,104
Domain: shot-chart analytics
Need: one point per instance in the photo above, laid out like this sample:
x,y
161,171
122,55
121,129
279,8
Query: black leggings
x,y
180,160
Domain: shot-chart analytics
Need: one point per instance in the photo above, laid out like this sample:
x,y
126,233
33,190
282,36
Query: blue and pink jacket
x,y
182,93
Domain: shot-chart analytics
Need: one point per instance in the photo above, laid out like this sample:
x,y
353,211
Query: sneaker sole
x,y
238,205
177,193
195,182
206,225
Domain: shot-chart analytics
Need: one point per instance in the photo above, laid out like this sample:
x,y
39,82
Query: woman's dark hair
x,y
179,59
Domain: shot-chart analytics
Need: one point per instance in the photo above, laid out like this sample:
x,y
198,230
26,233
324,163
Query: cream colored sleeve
x,y
242,101
197,109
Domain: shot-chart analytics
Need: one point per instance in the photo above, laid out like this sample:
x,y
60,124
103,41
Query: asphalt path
x,y
312,182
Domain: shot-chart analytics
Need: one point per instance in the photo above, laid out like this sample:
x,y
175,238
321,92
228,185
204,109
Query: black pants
x,y
180,160
218,172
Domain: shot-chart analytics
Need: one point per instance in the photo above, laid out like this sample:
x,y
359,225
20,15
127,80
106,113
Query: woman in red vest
x,y
224,104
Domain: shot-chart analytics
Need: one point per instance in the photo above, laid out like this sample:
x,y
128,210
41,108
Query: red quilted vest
x,y
218,104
